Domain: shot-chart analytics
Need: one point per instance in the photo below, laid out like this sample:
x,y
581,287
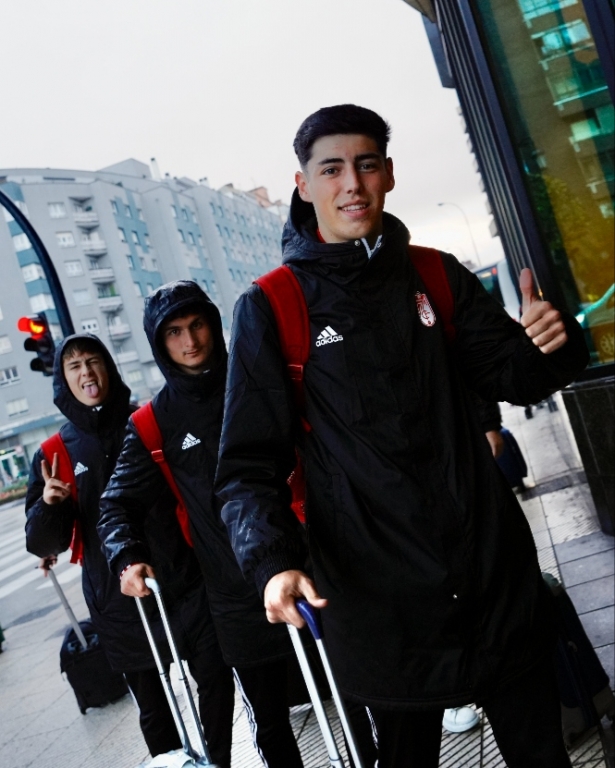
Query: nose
x,y
352,180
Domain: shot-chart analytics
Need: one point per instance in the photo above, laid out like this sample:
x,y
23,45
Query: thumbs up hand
x,y
542,322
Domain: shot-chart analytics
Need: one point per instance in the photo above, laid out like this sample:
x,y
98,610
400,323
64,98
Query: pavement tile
x,y
588,568
592,595
606,654
572,529
599,626
584,546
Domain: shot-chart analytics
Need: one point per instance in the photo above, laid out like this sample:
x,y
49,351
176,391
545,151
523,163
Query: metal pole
x,y
57,291
459,208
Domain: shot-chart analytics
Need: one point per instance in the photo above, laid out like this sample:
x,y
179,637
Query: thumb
x,y
310,593
526,285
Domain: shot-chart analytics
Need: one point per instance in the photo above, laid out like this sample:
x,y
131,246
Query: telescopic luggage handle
x,y
312,619
204,759
69,611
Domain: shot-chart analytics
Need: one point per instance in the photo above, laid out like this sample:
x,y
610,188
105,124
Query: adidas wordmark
x,y
328,336
190,441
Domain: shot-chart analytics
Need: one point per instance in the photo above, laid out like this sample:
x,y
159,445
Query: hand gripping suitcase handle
x,y
311,617
152,584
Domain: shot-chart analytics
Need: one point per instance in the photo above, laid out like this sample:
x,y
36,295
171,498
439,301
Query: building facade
x,y
114,236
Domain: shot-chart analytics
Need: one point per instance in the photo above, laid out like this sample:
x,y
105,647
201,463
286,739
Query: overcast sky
x,y
218,88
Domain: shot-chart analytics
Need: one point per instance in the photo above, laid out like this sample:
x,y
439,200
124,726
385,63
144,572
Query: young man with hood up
x,y
425,567
88,390
185,332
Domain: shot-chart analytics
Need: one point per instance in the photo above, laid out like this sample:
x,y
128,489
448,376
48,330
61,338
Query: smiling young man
x,y
425,568
89,392
184,329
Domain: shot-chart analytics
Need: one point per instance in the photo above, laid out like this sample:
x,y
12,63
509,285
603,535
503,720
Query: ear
x,y
303,187
389,169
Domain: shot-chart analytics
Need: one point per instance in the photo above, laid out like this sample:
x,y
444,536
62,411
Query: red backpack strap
x,y
287,301
144,420
428,263
55,445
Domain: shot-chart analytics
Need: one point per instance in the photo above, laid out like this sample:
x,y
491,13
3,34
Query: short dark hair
x,y
81,346
342,118
194,308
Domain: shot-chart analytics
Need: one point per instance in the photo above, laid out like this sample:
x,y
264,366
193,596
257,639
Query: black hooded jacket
x,y
189,411
93,438
416,540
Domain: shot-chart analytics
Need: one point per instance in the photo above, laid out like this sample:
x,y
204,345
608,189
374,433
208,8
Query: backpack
x,y
55,444
144,420
290,310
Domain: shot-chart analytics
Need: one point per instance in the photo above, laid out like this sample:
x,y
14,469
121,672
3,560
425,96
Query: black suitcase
x,y
85,663
511,462
88,670
585,693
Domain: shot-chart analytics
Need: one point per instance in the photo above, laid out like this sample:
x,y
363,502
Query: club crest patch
x,y
426,313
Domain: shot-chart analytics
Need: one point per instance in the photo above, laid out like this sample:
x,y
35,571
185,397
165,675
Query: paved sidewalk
x,y
40,723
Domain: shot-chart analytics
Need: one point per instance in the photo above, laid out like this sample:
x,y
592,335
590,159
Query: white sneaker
x,y
460,719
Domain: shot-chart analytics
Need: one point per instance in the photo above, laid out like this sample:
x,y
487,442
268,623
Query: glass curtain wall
x,y
561,120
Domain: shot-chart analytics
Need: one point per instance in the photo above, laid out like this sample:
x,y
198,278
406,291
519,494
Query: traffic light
x,y
40,341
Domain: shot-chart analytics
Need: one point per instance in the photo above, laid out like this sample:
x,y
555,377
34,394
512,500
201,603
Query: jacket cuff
x,y
129,557
277,562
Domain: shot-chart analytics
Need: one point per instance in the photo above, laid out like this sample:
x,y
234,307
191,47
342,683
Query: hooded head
x,y
175,301
87,386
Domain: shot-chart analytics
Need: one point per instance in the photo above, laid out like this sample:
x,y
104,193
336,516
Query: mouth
x,y
354,207
91,389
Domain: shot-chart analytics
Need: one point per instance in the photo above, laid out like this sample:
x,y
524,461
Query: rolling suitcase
x,y
187,757
312,619
585,693
511,462
84,662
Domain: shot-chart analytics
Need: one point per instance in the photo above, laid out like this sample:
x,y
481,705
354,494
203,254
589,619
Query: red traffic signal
x,y
40,341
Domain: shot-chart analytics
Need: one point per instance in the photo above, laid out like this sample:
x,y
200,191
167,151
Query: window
x,y
227,233
200,240
122,235
185,214
41,301
65,239
93,262
155,374
220,211
21,242
154,264
138,289
205,286
182,238
127,212
150,289
32,272
9,376
140,215
56,210
13,407
219,230
90,325
147,240
174,211
135,238
7,215
74,268
131,264
232,274
142,262
191,239
5,345
114,207
106,291
213,208
82,297
134,377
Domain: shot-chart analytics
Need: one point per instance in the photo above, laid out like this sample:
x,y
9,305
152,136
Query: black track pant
x,y
524,714
263,690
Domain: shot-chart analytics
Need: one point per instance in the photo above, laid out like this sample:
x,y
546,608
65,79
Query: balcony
x,y
110,303
94,247
86,219
102,275
119,331
127,357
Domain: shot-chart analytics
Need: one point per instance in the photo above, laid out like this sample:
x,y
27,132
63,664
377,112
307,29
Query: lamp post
x,y
460,209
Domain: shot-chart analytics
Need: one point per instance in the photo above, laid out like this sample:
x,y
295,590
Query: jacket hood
x,y
112,415
163,303
300,242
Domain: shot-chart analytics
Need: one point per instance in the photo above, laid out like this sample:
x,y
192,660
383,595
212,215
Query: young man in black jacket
x,y
185,332
88,390
424,564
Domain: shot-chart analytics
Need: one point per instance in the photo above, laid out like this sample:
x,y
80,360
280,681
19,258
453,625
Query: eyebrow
x,y
358,158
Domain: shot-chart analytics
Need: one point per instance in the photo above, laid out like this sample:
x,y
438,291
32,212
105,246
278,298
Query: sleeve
x,y
135,486
257,448
496,357
489,414
49,527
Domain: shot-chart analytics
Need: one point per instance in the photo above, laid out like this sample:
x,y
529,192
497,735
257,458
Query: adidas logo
x,y
328,336
79,469
190,441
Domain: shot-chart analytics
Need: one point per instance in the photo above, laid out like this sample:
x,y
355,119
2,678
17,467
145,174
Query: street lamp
x,y
459,208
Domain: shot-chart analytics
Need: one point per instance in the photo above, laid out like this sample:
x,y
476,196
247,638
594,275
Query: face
x,y
346,180
87,377
189,342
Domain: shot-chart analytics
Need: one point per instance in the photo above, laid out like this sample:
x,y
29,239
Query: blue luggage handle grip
x,y
311,616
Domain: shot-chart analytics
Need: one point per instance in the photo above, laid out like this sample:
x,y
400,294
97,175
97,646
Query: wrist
x,y
125,568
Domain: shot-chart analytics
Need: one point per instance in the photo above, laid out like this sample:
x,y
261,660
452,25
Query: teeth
x,y
354,207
